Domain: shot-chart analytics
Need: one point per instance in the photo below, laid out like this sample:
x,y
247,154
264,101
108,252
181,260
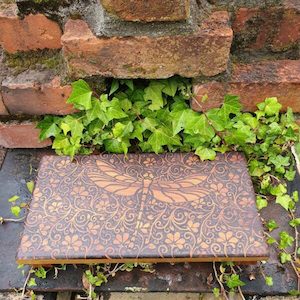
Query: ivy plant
x,y
155,116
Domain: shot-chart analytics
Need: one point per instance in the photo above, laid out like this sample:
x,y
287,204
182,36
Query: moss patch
x,y
34,60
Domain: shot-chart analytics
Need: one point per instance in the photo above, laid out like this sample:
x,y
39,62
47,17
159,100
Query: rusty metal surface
x,y
154,208
177,278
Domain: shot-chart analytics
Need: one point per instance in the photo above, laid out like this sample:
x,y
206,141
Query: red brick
x,y
253,83
21,135
277,28
288,32
148,11
31,33
3,110
204,52
36,93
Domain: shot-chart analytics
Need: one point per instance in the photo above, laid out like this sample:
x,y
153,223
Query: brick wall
x,y
245,47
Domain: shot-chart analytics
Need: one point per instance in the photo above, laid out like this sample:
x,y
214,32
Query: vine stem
x,y
2,220
239,288
292,263
223,291
296,236
25,283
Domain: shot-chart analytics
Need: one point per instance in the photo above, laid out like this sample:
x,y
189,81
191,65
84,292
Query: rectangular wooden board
x,y
142,208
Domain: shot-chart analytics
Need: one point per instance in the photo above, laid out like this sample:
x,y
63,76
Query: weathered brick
x,y
253,83
148,11
36,93
31,33
3,110
204,52
21,135
276,28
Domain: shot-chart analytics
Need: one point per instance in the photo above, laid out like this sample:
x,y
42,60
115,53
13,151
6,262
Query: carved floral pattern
x,y
142,206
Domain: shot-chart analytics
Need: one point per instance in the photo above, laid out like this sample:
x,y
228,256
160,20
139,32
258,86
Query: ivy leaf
x,y
41,273
285,257
116,145
216,292
261,203
96,112
205,153
295,222
61,142
271,225
198,124
269,280
81,95
171,86
75,125
122,129
270,106
13,198
233,281
48,127
114,86
153,93
15,210
30,186
230,106
271,240
284,201
285,240
162,137
114,110
31,282
179,119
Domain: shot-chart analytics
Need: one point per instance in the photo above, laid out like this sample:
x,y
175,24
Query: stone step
x,y
142,208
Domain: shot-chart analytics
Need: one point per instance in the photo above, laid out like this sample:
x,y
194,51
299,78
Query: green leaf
x,y
270,106
271,240
198,124
114,110
96,112
81,95
171,86
269,280
271,225
31,282
205,153
295,222
261,202
122,129
48,127
15,210
114,86
75,125
30,186
153,93
285,257
40,273
284,201
162,137
216,292
230,106
233,281
285,240
13,198
278,190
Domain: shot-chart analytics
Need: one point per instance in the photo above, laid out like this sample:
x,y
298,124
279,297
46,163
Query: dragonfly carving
x,y
146,185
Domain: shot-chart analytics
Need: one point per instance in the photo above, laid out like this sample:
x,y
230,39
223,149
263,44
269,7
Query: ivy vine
x,y
155,116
